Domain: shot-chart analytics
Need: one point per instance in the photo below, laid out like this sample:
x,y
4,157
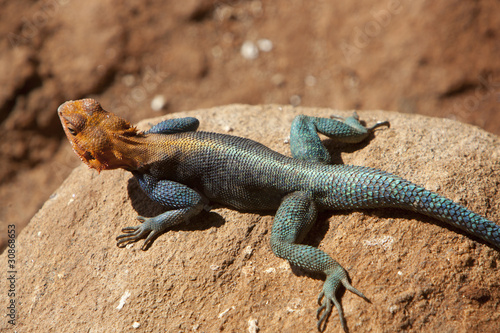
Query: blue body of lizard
x,y
185,169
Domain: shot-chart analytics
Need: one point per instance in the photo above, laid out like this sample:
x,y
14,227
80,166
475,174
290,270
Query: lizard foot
x,y
327,297
133,234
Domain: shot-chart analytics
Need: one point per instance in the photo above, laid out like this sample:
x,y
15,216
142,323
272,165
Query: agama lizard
x,y
184,169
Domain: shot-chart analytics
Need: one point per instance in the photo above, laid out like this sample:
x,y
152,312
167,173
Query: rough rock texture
x,y
217,273
436,58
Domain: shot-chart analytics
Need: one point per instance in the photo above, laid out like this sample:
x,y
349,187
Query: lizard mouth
x,y
88,156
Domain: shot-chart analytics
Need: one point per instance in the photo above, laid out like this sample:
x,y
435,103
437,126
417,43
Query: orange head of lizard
x,y
98,137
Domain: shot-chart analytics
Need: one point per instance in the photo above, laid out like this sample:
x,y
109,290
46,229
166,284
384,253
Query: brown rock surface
x,y
217,273
436,58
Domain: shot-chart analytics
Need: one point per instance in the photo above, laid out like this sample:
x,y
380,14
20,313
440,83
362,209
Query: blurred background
x,y
142,60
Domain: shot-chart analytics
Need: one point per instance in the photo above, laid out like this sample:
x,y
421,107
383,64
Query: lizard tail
x,y
374,188
446,210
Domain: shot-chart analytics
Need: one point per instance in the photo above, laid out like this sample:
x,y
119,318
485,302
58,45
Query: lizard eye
x,y
74,123
72,131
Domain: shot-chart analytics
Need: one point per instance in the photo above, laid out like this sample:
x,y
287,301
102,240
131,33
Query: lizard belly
x,y
246,197
242,190
263,185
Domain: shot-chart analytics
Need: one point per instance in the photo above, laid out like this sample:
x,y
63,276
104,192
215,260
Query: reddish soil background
x,y
433,58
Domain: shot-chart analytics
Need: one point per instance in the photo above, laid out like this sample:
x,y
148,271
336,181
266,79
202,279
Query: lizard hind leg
x,y
293,220
305,143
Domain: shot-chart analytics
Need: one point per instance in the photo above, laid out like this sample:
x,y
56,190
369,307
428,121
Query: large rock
x,y
218,273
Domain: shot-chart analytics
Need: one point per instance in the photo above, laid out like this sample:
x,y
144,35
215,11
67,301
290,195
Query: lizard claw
x,y
379,124
133,234
327,297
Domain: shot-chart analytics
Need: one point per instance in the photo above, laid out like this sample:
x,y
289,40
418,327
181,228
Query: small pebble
x,y
265,45
158,103
249,50
253,326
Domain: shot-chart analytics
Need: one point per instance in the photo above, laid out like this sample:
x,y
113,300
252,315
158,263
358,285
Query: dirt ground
x,y
433,58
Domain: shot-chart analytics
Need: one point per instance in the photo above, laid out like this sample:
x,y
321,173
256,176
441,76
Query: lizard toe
x,y
327,297
133,234
326,308
148,229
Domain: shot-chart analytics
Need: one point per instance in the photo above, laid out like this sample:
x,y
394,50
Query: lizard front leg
x,y
293,220
305,143
181,201
176,125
